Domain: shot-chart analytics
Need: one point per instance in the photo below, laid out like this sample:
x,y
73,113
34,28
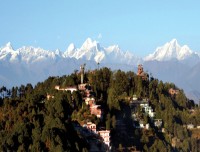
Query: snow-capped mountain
x,y
170,63
26,54
178,64
30,65
172,50
90,50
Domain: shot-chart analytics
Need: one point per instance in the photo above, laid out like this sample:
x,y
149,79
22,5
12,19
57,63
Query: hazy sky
x,y
135,25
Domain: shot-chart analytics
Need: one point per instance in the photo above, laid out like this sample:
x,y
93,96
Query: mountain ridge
x,y
92,50
171,50
170,62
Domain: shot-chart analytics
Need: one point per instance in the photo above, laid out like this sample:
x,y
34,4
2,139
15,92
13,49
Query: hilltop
x,y
99,109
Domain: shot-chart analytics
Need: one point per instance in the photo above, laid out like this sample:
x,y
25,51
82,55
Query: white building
x,y
71,89
105,134
143,125
90,101
96,110
147,109
134,97
91,127
158,122
190,126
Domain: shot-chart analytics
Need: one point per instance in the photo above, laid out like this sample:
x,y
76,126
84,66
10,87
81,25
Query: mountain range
x,y
170,63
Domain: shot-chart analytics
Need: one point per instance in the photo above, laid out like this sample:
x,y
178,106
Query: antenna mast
x,y
82,72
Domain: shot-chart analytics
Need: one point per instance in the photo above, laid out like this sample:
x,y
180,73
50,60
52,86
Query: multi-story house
x,y
96,110
105,135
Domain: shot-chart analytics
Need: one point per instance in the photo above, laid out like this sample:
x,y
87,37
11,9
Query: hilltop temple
x,y
141,72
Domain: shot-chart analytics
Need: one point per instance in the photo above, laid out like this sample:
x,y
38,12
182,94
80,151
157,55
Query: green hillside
x,y
42,118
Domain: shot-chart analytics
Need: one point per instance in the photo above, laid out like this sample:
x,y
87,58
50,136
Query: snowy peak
x,y
89,44
71,47
58,52
89,50
8,47
7,53
31,54
26,54
113,48
170,50
92,50
174,42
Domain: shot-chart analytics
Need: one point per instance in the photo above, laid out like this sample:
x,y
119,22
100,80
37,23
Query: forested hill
x,y
45,117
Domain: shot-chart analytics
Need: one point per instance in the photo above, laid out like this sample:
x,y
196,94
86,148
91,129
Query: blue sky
x,y
135,25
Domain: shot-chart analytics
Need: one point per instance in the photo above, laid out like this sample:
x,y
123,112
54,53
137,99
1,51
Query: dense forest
x,y
29,121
